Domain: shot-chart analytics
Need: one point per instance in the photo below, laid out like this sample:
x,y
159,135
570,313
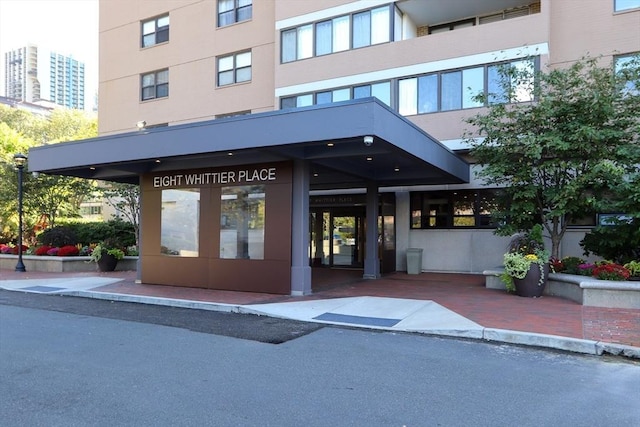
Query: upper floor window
x,y
455,90
155,31
235,68
232,11
381,90
628,67
626,4
155,85
341,33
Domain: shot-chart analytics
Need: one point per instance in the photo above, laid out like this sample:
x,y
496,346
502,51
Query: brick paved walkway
x,y
463,293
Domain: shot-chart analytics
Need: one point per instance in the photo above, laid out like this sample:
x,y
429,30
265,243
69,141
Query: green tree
x,y
52,195
569,152
125,199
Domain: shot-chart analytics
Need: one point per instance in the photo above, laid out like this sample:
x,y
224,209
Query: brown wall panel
x,y
207,270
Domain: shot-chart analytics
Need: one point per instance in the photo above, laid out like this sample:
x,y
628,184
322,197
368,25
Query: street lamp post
x,y
20,160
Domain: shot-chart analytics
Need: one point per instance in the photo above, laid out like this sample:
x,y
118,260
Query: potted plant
x,y
634,270
106,254
526,264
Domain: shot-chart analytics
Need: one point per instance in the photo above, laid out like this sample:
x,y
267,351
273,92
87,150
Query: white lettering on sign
x,y
209,178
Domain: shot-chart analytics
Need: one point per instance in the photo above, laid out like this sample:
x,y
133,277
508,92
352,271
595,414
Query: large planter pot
x,y
107,262
531,285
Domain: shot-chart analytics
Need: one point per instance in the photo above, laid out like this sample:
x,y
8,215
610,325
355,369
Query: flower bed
x,y
582,289
62,264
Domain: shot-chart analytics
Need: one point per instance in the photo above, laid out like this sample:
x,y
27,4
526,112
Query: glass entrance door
x,y
337,237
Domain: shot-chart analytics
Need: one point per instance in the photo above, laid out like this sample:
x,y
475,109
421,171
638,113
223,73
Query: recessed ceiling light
x,y
229,154
369,159
157,160
330,144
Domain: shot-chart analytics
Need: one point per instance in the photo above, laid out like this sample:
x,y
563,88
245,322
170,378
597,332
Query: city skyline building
x,y
34,75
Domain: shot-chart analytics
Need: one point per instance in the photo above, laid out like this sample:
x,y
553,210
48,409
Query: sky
x,y
68,27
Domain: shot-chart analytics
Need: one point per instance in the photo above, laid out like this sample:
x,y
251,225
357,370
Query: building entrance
x,y
337,237
338,233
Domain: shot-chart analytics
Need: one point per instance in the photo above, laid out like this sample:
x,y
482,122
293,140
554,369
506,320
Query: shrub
x,y
58,236
619,242
42,250
14,250
68,250
571,263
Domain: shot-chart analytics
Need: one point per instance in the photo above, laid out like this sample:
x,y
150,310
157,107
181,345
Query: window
x,y
453,209
381,90
155,31
179,222
242,220
338,34
155,85
628,68
232,11
626,4
234,68
454,90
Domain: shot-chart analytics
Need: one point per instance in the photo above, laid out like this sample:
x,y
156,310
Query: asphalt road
x,y
68,361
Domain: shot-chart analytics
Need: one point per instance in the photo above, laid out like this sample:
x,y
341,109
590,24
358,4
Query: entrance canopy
x,y
346,145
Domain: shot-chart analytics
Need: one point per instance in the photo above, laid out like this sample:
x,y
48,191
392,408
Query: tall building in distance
x,y
33,74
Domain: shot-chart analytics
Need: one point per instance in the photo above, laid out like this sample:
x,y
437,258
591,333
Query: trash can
x,y
414,260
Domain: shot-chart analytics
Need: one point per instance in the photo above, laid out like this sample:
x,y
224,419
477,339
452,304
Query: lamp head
x,y
368,141
19,160
141,124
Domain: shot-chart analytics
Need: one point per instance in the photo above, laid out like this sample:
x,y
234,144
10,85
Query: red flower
x,y
610,271
68,250
42,250
15,249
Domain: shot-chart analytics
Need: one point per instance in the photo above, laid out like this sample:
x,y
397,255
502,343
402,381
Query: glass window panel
x,y
323,37
162,90
148,93
473,84
428,94
225,78
341,95
626,4
382,91
242,221
226,18
408,96
225,5
148,80
323,98
289,45
245,13
162,76
397,24
380,30
523,89
148,27
225,63
163,21
627,63
361,29
288,102
243,75
149,40
495,85
243,59
452,91
341,33
305,42
361,92
304,100
179,222
162,36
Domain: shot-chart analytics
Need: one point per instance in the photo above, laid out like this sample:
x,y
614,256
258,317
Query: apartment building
x,y
272,137
33,75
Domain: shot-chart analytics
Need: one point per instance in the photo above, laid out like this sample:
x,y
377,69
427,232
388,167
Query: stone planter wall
x,y
56,264
583,290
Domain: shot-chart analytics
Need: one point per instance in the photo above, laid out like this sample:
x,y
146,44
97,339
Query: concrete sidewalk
x,y
454,305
